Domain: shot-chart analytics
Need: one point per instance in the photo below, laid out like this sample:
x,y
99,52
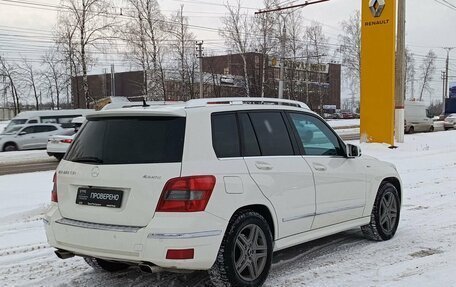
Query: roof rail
x,y
243,101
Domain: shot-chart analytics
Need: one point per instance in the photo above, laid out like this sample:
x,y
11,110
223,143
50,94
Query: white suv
x,y
213,184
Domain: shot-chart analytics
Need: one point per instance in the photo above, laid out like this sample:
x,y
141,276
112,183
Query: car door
x,y
340,182
25,137
282,175
42,134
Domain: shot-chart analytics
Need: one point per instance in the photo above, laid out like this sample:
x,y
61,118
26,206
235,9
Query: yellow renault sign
x,y
378,44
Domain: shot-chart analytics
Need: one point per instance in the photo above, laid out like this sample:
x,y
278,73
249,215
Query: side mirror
x,y
21,133
353,151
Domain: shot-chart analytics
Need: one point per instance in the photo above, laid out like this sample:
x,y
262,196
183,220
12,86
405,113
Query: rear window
x,y
129,140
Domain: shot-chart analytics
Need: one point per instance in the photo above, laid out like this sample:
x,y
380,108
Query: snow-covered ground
x,y
423,253
343,123
24,156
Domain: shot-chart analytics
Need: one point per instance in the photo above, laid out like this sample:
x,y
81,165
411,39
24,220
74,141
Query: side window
x,y
315,136
29,130
49,120
48,129
249,141
272,133
225,135
32,122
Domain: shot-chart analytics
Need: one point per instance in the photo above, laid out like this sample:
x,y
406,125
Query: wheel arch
x,y
397,184
9,143
264,211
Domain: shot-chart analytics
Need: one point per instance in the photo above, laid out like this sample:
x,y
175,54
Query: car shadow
x,y
283,260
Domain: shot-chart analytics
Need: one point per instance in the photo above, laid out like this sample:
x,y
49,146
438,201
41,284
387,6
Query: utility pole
x,y
443,91
282,59
400,73
445,87
199,49
113,81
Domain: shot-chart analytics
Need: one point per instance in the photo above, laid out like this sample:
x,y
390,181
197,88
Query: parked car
x,y
213,184
417,118
58,145
34,136
62,117
450,122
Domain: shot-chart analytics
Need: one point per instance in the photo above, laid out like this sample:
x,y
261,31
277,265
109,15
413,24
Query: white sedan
x,y
450,122
58,145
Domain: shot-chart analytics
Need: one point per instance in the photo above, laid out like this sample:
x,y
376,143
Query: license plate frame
x,y
99,197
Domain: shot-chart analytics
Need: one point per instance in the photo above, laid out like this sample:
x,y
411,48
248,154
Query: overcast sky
x,y
26,29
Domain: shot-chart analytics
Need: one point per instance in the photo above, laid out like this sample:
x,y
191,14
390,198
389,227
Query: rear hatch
x,y
116,168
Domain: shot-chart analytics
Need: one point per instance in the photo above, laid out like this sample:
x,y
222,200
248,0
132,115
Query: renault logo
x,y
95,171
376,7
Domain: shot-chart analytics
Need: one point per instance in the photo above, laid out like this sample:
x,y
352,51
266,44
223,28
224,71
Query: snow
x,y
423,252
24,156
343,123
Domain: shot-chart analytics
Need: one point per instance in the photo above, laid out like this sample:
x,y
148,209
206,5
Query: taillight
x,y
54,189
186,194
66,141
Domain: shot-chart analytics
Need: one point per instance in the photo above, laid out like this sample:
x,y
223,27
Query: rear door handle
x,y
263,165
319,167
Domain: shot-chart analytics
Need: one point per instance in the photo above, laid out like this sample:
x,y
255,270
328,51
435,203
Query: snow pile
x,y
343,123
24,156
423,253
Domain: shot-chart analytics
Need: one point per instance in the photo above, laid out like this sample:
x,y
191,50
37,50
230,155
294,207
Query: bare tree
x,y
66,45
317,53
9,72
183,47
295,45
264,25
29,76
54,72
91,19
235,31
427,72
144,34
350,49
410,72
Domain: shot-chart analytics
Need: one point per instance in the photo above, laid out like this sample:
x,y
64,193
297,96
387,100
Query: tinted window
x,y
129,140
271,133
29,130
225,136
32,122
315,136
44,129
249,141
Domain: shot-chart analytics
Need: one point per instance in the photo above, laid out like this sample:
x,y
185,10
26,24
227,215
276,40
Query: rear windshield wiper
x,y
88,159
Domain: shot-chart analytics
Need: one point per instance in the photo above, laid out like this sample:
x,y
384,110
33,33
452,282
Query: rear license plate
x,y
99,197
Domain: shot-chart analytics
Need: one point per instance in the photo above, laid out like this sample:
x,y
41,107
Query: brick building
x,y
316,85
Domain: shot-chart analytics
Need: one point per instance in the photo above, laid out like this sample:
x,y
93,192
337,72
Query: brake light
x,y
54,189
186,194
66,141
180,254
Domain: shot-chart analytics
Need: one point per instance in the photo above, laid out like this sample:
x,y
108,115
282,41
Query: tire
x,y
250,230
431,129
100,264
10,147
411,130
385,214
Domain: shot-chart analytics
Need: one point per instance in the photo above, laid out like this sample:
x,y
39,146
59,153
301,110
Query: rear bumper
x,y
201,231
